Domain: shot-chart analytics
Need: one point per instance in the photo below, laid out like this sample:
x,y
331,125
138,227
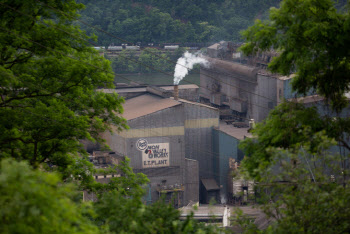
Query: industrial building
x,y
240,86
170,141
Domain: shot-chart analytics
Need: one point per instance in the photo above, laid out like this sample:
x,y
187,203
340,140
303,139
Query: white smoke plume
x,y
223,199
186,63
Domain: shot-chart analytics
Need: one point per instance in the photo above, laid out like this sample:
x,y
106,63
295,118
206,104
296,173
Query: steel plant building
x,y
169,140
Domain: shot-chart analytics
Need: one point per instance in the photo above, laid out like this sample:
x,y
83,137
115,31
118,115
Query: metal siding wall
x,y
170,117
199,138
189,94
216,151
156,125
267,87
287,92
116,142
226,147
195,142
176,150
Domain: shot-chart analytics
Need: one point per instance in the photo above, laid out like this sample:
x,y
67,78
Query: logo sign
x,y
141,144
156,155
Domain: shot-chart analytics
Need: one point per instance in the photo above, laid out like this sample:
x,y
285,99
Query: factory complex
x,y
185,137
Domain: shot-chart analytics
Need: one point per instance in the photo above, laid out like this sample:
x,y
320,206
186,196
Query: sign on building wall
x,y
153,155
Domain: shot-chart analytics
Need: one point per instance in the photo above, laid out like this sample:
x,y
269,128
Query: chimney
x,y
176,92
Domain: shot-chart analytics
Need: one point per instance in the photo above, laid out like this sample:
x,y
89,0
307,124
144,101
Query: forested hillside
x,y
172,21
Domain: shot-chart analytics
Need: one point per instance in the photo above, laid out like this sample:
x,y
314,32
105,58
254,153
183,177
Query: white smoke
x,y
186,63
223,199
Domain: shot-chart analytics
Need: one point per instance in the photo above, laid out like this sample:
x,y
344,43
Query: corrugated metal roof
x,y
238,133
146,104
143,89
229,66
210,184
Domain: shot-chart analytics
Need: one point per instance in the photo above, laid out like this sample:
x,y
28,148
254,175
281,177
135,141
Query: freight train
x,y
163,46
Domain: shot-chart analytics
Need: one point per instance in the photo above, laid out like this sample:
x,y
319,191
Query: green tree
x,y
33,201
120,214
306,189
312,38
49,76
123,62
299,31
151,61
290,152
162,21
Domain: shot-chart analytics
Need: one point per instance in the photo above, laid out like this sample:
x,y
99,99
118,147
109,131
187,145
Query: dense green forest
x,y
172,21
149,61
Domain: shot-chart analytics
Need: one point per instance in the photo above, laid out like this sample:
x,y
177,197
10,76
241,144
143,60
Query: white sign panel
x,y
155,155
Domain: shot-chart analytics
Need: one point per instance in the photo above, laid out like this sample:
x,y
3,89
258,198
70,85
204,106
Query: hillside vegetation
x,y
162,21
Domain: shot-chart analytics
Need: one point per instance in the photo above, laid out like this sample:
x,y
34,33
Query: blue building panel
x,y
225,147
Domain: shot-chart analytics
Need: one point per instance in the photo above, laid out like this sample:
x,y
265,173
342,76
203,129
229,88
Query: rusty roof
x,y
146,104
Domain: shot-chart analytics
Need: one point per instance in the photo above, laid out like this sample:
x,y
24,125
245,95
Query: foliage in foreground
x,y
33,201
49,76
301,157
304,190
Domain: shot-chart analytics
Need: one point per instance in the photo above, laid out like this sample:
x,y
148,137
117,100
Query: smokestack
x,y
176,92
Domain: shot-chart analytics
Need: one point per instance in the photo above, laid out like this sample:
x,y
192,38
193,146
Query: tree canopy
x,y
49,104
304,37
312,38
304,182
171,21
33,201
49,76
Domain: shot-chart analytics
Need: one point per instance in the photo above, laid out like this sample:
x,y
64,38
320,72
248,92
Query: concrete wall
x,y
192,181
